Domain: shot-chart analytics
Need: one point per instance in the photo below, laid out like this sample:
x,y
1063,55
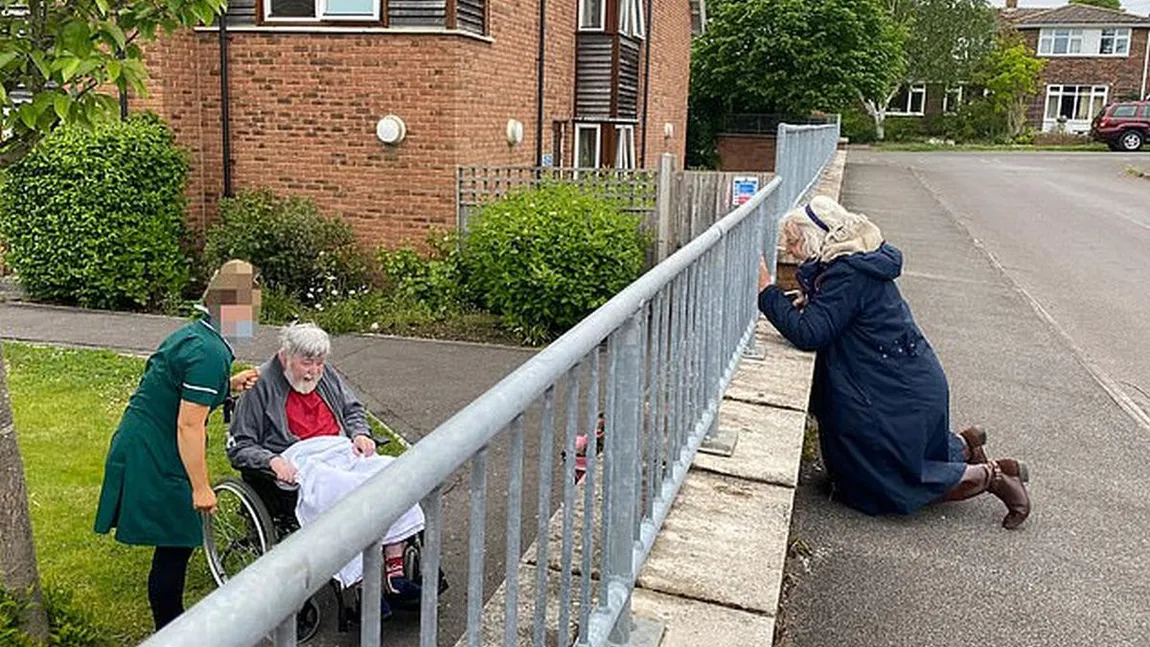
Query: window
x,y
1060,42
1124,111
625,147
1075,102
631,18
952,100
592,14
586,146
1114,42
1146,111
287,10
910,100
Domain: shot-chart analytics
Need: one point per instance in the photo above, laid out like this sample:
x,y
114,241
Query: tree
x,y
788,57
1105,4
1012,75
945,42
59,59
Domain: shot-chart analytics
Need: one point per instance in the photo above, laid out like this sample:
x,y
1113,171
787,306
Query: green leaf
x,y
62,103
103,6
114,68
7,57
77,37
41,64
28,116
70,68
117,34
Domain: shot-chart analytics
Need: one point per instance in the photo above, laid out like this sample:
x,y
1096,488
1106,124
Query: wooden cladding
x,y
607,76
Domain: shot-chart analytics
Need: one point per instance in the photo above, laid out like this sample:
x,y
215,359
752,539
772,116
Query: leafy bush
x,y
437,279
904,129
858,126
96,217
298,251
68,625
544,258
979,121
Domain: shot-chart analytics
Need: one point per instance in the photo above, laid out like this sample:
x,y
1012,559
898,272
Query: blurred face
x,y
302,373
793,241
236,321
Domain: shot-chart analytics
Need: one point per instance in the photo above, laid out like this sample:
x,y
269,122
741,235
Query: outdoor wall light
x,y
514,132
668,130
391,130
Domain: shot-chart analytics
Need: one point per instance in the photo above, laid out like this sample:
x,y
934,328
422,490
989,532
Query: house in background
x,y
1093,57
370,106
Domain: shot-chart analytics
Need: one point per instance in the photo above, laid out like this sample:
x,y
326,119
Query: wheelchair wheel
x,y
239,532
307,621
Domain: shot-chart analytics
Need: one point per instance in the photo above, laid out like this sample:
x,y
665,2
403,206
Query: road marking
x,y
1108,384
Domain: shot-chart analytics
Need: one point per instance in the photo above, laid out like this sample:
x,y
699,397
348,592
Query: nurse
x,y
156,481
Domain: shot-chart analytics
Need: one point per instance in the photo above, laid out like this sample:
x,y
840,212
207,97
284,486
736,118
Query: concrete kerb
x,y
717,567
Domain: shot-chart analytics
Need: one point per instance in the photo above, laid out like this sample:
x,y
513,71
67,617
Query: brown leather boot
x,y
1008,485
974,438
975,480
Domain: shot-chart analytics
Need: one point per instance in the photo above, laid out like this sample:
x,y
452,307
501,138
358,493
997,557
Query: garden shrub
x,y
437,279
298,251
858,126
544,258
68,624
96,217
904,129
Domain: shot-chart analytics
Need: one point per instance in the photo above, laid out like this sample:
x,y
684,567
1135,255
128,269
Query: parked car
x,y
1124,126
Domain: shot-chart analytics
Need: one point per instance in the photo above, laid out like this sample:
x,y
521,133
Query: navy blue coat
x,y
879,392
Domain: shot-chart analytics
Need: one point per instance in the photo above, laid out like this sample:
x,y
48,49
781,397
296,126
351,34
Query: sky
x,y
1133,6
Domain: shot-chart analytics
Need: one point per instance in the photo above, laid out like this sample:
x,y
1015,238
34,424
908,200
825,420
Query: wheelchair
x,y
253,513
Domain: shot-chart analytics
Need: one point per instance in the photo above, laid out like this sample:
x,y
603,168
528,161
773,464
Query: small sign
x,y
742,188
548,160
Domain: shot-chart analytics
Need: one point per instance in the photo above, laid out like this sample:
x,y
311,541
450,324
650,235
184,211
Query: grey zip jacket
x,y
259,427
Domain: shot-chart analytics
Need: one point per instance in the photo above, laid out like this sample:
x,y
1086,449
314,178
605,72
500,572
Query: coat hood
x,y
883,263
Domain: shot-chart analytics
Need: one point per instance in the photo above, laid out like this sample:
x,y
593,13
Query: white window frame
x,y
631,18
600,23
1059,91
579,141
1048,40
904,110
957,90
1119,35
321,13
625,147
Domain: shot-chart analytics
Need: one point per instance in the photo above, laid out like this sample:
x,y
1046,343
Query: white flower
x,y
375,326
319,306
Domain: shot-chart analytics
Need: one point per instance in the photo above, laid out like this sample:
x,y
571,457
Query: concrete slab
x,y
691,623
494,620
724,542
770,443
782,380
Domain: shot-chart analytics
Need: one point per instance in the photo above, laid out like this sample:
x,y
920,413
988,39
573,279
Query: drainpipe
x,y
646,89
225,119
1145,67
539,88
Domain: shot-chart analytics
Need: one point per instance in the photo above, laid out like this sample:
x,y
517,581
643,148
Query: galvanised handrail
x,y
801,152
654,362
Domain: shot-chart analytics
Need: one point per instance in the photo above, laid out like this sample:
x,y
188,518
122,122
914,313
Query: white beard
x,y
303,387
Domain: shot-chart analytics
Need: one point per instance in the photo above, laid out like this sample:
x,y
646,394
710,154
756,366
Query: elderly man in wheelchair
x,y
301,442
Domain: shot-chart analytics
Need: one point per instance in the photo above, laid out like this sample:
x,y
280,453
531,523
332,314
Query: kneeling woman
x,y
879,393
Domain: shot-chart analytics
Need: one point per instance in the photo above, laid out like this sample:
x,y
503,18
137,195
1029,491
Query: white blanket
x,y
329,469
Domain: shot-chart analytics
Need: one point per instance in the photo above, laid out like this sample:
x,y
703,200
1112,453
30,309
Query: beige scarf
x,y
855,234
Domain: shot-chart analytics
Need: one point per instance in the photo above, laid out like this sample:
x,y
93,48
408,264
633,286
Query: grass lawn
x,y
67,402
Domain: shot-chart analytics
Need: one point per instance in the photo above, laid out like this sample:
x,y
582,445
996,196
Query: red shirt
x,y
308,416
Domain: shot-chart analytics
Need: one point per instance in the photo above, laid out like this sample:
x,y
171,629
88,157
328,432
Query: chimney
x,y
1011,4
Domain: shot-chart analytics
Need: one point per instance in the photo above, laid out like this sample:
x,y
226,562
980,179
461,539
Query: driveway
x,y
1028,273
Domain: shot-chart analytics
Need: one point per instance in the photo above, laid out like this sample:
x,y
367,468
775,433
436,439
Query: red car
x,y
1123,126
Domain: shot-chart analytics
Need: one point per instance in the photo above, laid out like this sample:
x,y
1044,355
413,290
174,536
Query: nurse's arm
x,y
192,438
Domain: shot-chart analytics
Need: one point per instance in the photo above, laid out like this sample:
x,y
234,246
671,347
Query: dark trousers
x,y
166,583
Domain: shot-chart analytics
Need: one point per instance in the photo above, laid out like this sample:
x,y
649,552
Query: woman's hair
x,y
832,232
305,340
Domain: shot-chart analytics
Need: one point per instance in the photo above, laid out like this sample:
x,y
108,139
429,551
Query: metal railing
x,y
652,363
801,152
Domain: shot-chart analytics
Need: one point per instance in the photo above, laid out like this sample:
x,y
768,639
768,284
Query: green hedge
x,y
96,217
545,258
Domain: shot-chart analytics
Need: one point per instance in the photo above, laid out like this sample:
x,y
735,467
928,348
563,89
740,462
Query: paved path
x,y
1073,232
412,385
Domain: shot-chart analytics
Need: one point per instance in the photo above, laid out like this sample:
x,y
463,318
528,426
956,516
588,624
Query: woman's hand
x,y
285,471
364,445
764,274
204,500
245,380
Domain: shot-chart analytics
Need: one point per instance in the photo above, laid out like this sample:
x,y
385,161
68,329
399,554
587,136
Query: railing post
x,y
622,481
663,207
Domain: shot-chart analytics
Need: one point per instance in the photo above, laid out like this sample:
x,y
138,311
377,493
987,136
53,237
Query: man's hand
x,y
364,445
204,500
285,471
245,380
764,274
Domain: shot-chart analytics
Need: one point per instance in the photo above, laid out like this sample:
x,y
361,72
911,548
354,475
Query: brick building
x,y
1093,56
314,88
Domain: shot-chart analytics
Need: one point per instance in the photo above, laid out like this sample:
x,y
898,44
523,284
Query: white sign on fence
x,y
742,188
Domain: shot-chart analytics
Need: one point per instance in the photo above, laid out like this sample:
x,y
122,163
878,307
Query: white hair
x,y
305,340
811,236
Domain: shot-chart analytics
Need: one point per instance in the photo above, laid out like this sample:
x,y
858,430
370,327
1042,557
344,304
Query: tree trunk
x,y
18,573
880,125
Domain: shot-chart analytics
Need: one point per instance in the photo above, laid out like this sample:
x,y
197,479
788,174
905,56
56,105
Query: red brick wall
x,y
746,152
1123,75
670,46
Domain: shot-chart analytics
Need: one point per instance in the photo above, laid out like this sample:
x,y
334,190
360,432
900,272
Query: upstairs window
x,y
592,15
631,18
290,10
1060,42
1114,42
